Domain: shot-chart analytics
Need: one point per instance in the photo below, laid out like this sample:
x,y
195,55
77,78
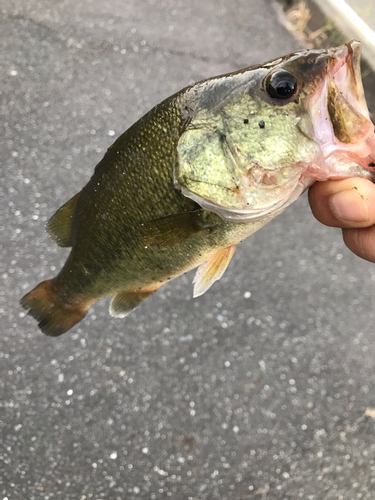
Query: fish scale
x,y
199,173
138,166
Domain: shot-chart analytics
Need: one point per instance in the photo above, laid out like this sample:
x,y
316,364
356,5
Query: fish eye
x,y
281,85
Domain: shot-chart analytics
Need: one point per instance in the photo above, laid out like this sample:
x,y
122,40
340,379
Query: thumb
x,y
346,203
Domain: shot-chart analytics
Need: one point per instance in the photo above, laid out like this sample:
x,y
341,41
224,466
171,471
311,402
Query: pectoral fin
x,y
172,229
212,270
123,303
59,227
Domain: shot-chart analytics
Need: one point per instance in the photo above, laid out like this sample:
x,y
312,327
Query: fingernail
x,y
349,206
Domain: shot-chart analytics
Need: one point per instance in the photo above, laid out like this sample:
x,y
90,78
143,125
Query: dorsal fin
x,y
59,227
212,270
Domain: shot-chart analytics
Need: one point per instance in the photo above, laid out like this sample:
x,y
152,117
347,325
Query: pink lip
x,y
339,113
345,71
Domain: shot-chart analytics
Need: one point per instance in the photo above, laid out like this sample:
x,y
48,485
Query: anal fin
x,y
59,227
212,270
125,302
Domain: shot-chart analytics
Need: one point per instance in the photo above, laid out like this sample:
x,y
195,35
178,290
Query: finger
x,y
361,242
346,203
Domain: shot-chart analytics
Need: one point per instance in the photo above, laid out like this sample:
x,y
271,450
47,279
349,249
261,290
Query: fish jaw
x,y
323,132
341,120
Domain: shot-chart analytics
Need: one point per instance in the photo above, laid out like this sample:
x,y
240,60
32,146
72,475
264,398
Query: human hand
x,y
349,204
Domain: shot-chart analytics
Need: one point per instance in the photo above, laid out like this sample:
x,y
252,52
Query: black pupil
x,y
284,89
281,85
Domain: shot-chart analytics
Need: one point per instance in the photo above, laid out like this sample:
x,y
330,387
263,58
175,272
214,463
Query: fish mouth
x,y
345,74
338,109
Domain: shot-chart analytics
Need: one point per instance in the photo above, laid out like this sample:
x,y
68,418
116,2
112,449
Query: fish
x,y
199,173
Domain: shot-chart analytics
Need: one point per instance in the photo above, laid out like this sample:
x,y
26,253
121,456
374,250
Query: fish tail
x,y
54,315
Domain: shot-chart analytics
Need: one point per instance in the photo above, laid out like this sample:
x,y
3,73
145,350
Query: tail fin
x,y
55,316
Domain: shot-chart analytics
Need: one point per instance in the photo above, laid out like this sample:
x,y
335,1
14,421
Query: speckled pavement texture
x,y
263,388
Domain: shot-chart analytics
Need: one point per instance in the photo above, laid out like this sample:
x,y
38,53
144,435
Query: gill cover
x,y
266,133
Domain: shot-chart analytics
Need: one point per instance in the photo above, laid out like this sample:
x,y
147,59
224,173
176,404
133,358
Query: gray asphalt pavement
x,y
263,388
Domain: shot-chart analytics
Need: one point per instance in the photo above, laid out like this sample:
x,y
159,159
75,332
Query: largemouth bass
x,y
200,172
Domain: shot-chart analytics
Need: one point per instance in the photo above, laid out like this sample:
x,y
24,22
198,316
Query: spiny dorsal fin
x,y
123,303
172,229
59,227
212,270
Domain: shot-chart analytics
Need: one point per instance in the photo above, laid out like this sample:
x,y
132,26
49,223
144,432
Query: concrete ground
x,y
354,18
365,9
263,388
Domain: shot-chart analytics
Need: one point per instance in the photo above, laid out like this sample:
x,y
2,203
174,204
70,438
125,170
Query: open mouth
x,y
339,111
345,70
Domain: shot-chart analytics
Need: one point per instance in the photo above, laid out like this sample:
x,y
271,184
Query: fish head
x,y
254,140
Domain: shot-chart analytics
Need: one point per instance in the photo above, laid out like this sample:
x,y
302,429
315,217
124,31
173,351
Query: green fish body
x,y
185,184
